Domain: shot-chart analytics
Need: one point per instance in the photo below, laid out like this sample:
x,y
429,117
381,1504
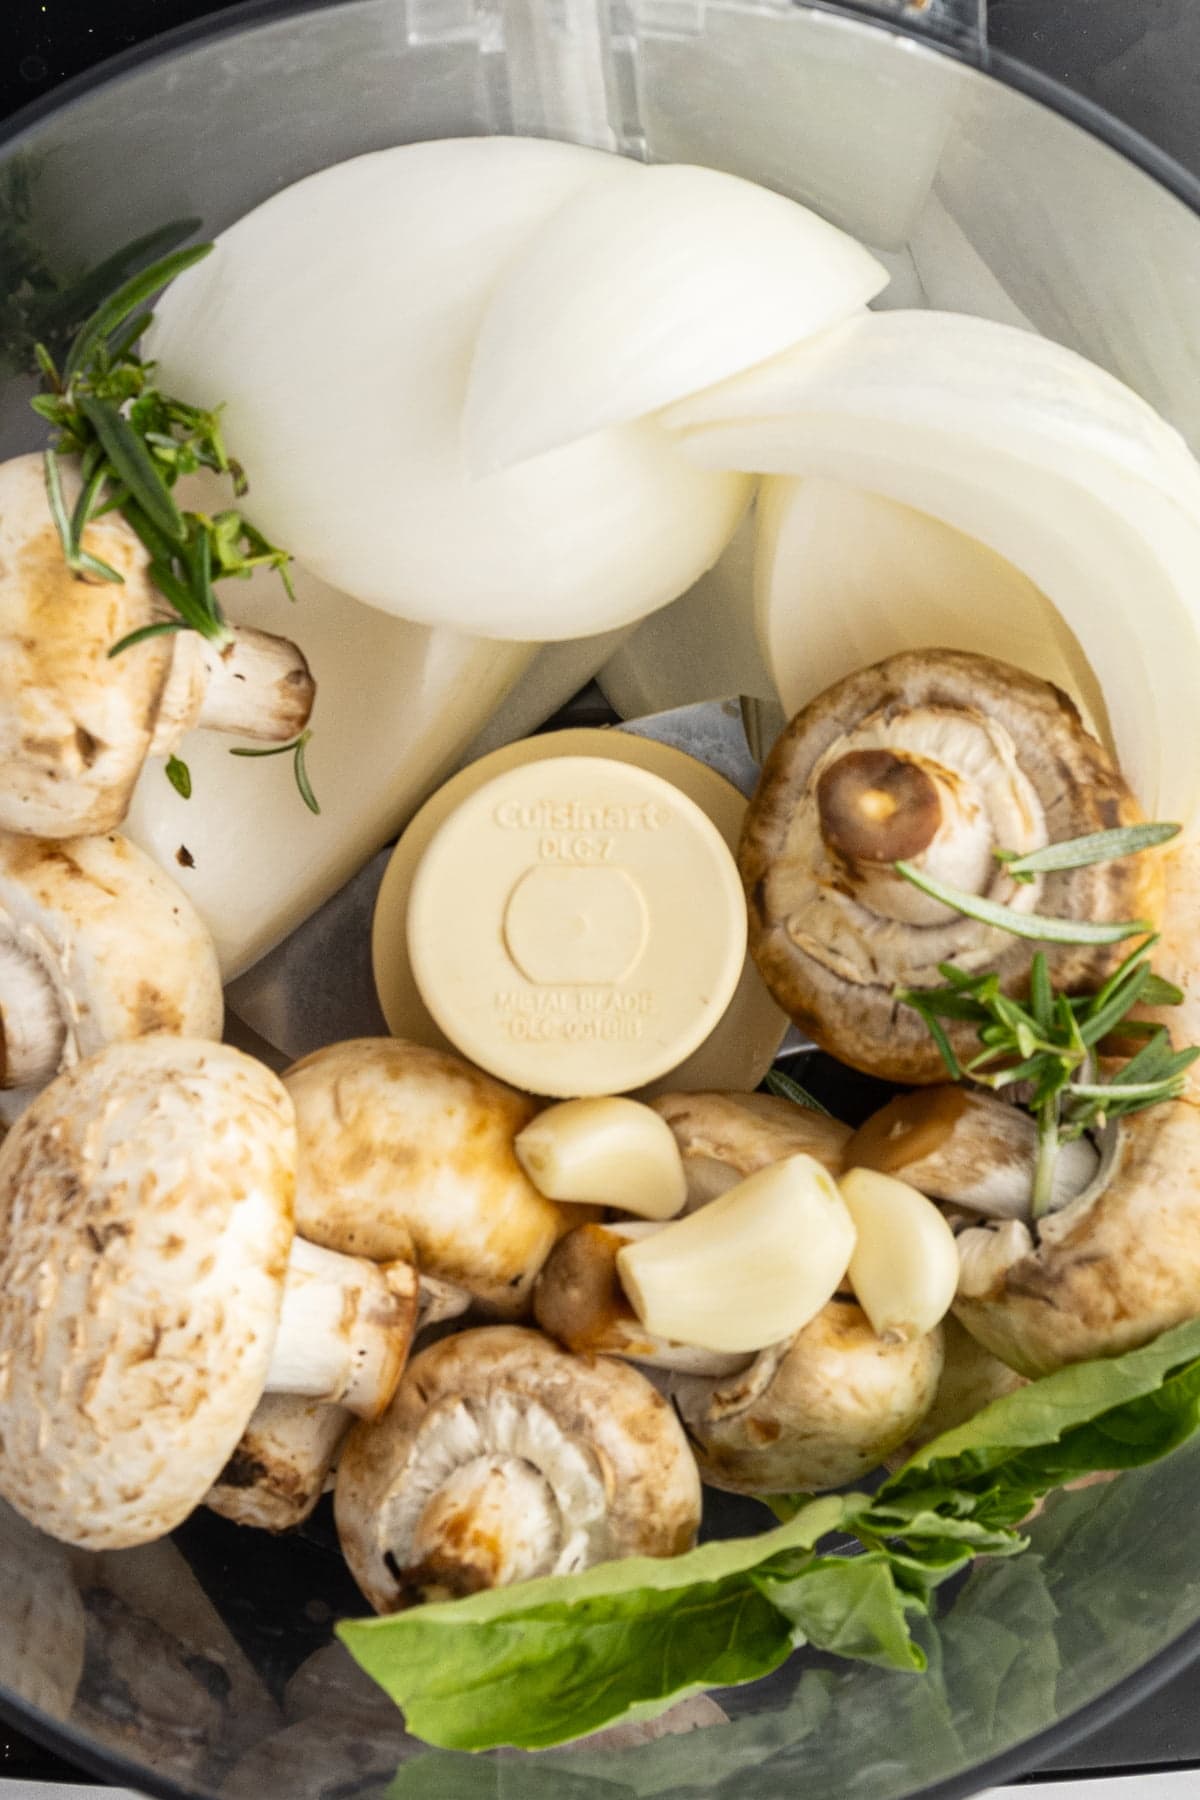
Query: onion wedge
x,y
1047,461
639,292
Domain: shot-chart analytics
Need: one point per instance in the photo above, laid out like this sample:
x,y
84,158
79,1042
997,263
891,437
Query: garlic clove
x,y
751,1268
614,1151
904,1270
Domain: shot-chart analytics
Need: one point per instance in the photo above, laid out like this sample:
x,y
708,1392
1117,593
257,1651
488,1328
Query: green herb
x,y
1025,925
1050,1042
546,1661
134,443
296,749
1082,852
783,1086
179,776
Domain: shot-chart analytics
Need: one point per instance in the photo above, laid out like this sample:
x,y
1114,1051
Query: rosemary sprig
x,y
1040,927
133,443
786,1088
1050,1041
296,750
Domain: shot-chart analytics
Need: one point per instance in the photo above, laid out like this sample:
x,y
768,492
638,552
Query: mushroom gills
x,y
495,1491
344,1329
955,1144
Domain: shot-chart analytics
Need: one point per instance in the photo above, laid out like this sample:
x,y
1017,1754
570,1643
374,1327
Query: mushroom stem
x,y
878,807
33,1030
955,1144
345,1329
494,1521
257,685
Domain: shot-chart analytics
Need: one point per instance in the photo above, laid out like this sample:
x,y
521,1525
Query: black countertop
x,y
1138,58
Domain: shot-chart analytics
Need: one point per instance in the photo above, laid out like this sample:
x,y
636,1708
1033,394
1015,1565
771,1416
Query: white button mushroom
x,y
722,1138
406,1153
149,1292
502,1458
282,1463
96,945
818,1412
1110,1270
76,725
937,757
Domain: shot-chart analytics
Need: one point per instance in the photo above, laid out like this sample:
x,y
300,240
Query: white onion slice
x,y
844,578
1120,562
637,293
992,385
1048,461
347,414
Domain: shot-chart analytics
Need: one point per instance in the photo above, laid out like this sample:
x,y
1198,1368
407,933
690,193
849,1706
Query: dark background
x,y
1138,58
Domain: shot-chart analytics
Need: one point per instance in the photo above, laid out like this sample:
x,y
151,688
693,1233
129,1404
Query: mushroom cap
x,y
146,1199
829,959
124,949
603,1435
75,724
723,1138
815,1413
406,1154
1107,1272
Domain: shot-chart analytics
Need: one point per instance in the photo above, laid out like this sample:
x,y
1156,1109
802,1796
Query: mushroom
x,y
151,1290
580,1301
406,1153
287,1454
1107,1272
76,724
817,1412
939,758
722,1138
971,1379
503,1457
960,1144
97,944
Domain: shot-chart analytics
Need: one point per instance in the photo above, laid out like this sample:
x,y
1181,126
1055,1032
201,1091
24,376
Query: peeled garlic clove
x,y
610,1150
751,1268
904,1269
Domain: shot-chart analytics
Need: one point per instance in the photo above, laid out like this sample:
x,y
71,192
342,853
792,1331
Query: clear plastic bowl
x,y
174,1668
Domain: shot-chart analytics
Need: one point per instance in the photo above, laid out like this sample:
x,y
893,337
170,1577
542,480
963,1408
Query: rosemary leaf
x,y
781,1084
1024,925
1082,852
128,299
161,628
179,776
134,466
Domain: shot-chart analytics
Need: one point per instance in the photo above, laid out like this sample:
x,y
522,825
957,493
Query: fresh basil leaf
x,y
549,1660
848,1606
1117,1412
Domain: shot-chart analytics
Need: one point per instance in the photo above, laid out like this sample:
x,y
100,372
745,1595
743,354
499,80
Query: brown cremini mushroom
x,y
938,758
502,1458
1108,1271
151,1289
97,945
76,725
968,1147
406,1153
579,1300
818,1412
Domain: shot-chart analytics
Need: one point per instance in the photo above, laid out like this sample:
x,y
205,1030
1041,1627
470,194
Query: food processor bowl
x,y
205,1665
